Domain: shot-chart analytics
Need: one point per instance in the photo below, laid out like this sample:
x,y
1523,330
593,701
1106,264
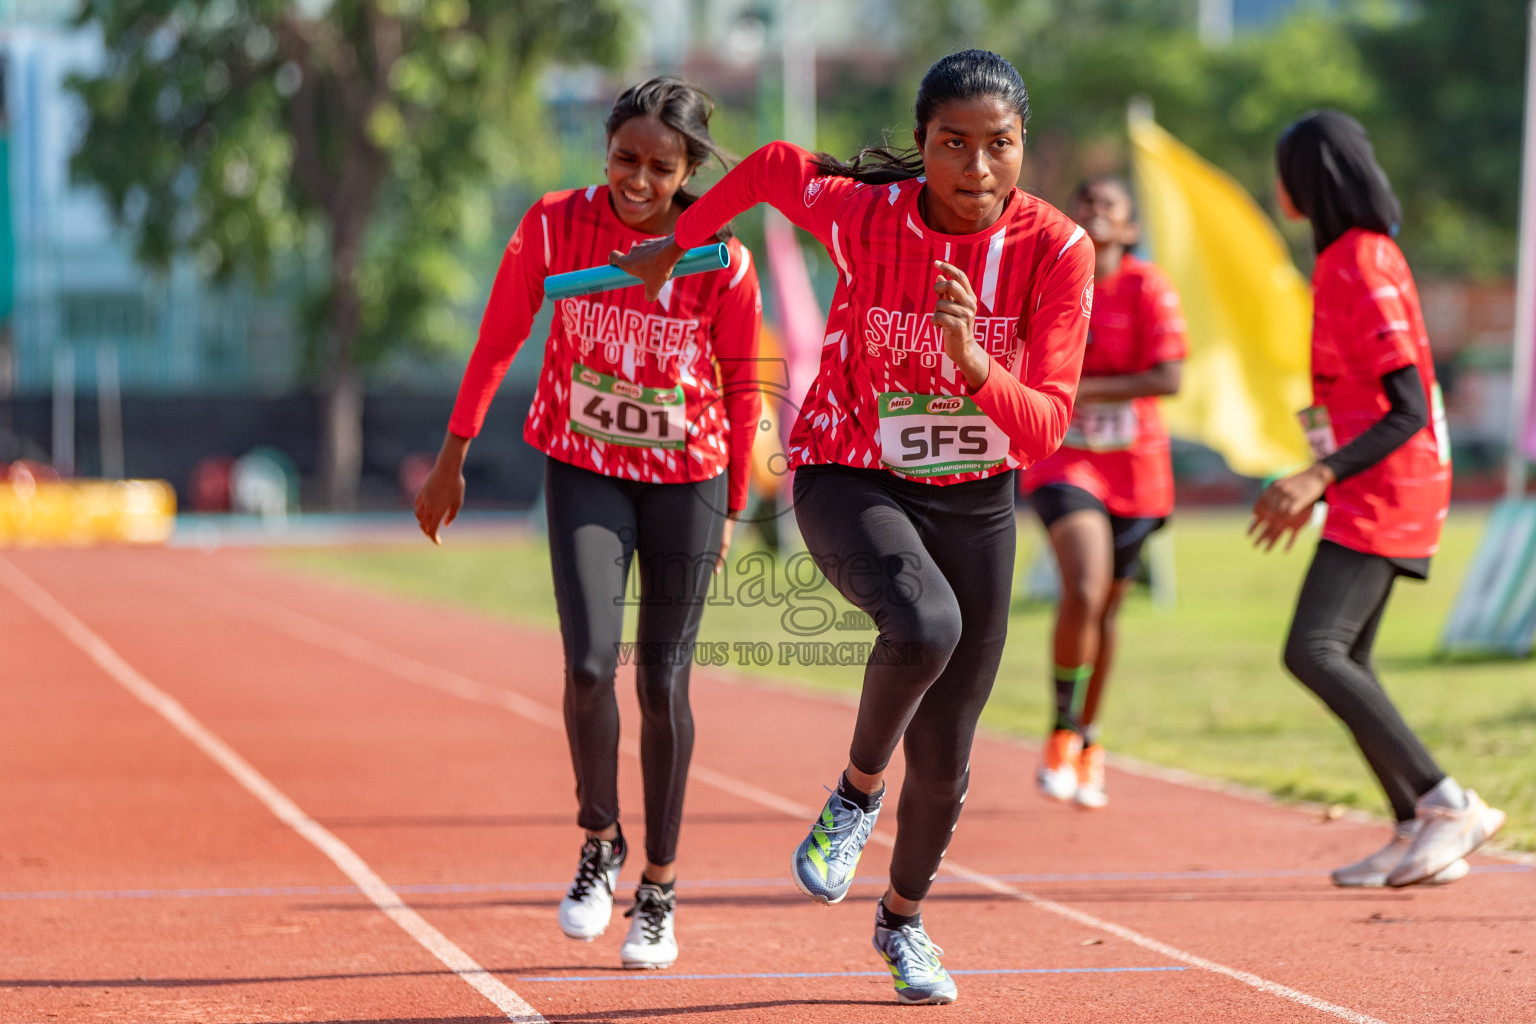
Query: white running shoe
x,y
651,943
588,905
1057,777
1372,872
1446,835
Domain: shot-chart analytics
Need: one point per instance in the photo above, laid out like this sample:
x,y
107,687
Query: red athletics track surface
x,y
141,881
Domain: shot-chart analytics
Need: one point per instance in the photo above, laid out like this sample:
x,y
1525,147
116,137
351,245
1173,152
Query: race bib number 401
x,y
937,435
621,412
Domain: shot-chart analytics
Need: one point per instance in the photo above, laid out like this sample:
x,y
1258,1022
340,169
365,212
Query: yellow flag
x,y
1249,311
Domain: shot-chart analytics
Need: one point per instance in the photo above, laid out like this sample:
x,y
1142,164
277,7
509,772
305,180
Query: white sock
x,y
1447,794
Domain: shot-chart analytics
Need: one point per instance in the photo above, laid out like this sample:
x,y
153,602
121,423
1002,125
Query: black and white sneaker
x,y
588,905
651,944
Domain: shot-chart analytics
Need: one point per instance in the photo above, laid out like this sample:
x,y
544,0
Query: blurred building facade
x,y
78,290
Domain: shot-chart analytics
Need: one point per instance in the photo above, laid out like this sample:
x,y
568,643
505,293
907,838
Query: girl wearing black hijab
x,y
1377,431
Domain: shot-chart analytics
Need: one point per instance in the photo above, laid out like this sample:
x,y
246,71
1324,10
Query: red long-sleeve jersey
x,y
1118,451
886,394
660,392
1367,323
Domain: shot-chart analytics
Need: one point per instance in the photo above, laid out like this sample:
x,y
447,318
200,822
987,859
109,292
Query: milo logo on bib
x,y
623,412
937,435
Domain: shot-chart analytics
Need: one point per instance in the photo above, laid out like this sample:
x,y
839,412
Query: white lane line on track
x,y
402,666
342,855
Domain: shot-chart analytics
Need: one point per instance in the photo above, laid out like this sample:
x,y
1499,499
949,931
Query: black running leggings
x,y
933,566
1329,650
597,525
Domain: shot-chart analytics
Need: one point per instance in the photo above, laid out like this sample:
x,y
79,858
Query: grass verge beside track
x,y
1198,687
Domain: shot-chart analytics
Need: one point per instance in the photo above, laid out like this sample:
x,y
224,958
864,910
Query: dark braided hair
x,y
967,75
682,107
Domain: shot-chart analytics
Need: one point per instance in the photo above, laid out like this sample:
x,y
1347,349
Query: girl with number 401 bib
x,y
645,410
1383,462
950,360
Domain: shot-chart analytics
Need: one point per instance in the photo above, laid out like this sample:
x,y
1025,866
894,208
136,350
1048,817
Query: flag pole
x,y
1524,347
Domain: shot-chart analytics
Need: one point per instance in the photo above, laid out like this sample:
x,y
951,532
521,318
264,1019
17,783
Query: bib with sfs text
x,y
937,435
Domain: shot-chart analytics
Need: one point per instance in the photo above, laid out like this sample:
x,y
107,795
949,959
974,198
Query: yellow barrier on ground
x,y
79,513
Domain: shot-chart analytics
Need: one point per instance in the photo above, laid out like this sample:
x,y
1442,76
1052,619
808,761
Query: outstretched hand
x,y
651,261
1285,507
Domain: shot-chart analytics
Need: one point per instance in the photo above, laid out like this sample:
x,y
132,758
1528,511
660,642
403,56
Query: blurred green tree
x,y
1451,91
366,134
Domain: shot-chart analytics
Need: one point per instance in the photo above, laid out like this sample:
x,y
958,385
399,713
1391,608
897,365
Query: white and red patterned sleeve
x,y
1034,407
738,319
1378,309
780,174
515,298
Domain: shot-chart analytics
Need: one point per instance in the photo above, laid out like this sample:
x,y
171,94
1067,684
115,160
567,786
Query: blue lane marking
x,y
663,976
451,888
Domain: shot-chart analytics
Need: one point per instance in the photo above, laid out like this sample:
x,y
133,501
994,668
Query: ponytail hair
x,y
682,107
967,75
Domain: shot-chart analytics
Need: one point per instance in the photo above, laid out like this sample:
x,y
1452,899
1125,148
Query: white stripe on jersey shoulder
x,y
837,251
1076,235
1386,292
665,298
741,271
914,228
893,192
994,266
545,218
591,191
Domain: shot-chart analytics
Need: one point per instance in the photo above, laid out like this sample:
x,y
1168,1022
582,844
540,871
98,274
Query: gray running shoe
x,y
914,964
823,864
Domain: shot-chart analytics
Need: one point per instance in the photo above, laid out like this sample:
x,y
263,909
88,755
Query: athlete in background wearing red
x,y
646,410
1377,430
951,358
1110,485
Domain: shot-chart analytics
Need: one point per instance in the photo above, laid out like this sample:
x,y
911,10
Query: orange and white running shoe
x,y
1057,777
1090,778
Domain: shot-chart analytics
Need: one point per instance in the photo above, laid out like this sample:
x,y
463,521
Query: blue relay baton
x,y
606,278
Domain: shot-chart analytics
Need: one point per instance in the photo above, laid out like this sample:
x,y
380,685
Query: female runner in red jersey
x,y
646,412
1377,429
1110,485
951,358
